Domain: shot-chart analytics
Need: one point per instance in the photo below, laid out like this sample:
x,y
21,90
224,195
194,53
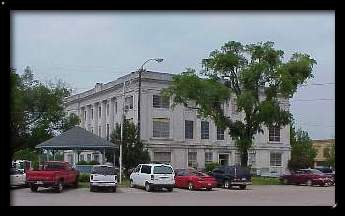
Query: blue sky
x,y
83,48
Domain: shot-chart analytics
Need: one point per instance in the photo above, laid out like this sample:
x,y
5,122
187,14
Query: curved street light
x,y
139,94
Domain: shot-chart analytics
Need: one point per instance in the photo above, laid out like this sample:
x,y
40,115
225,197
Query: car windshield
x,y
103,170
162,170
197,173
315,171
53,166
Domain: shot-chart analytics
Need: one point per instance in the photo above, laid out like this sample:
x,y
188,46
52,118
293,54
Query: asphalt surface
x,y
254,195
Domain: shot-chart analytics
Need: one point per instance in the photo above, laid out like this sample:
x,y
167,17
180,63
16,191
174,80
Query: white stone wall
x,y
152,84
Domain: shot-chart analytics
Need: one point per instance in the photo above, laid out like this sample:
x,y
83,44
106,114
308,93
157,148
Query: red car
x,y
307,176
54,174
193,179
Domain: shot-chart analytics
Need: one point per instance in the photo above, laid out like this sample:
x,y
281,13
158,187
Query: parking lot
x,y
255,195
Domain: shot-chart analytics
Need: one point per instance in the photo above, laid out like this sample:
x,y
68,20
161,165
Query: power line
x,y
315,99
318,84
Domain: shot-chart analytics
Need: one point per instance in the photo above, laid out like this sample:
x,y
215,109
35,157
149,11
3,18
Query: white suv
x,y
152,176
103,176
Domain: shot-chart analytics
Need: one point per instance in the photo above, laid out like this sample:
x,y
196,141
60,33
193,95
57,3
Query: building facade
x,y
323,148
176,135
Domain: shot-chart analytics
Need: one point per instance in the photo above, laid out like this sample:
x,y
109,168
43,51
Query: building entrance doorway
x,y
223,159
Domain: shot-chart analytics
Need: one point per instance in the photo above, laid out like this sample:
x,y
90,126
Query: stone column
x,y
111,115
103,118
82,117
95,118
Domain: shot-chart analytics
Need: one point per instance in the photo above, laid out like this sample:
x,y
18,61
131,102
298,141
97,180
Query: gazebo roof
x,y
77,138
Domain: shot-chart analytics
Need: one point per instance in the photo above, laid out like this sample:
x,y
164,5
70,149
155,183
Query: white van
x,y
153,176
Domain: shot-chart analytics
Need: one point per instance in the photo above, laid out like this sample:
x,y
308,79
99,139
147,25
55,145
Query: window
x,y
115,106
234,107
205,130
145,169
220,133
99,130
107,109
192,162
82,157
129,103
107,131
208,157
251,158
326,152
85,115
276,159
188,129
161,127
162,157
91,113
96,157
162,170
137,168
274,133
88,157
92,130
99,111
237,158
160,101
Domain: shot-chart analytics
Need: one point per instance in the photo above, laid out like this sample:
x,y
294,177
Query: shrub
x,y
211,166
88,163
93,162
84,177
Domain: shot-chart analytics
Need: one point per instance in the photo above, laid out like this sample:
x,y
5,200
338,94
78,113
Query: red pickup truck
x,y
55,174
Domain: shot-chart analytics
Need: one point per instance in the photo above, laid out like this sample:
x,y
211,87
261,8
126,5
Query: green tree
x,y
302,151
37,111
244,72
27,154
133,151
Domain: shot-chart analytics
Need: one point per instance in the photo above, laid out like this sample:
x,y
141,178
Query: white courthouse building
x,y
178,136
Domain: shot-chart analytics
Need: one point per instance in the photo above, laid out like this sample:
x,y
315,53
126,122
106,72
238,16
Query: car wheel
x,y
226,184
309,183
147,187
170,189
92,188
190,186
59,187
114,189
131,183
242,187
209,189
34,188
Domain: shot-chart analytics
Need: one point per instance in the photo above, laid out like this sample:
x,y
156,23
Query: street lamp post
x,y
141,69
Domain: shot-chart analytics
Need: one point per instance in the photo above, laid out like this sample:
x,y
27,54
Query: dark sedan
x,y
307,176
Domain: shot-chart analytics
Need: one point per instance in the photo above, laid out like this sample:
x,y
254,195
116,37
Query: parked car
x,y
103,176
327,171
153,176
307,176
228,176
17,177
54,174
194,180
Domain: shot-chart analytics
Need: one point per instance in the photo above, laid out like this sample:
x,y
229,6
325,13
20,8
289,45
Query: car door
x,y
14,177
145,174
135,176
178,178
218,174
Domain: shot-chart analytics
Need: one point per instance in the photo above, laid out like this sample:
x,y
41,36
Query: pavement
x,y
254,195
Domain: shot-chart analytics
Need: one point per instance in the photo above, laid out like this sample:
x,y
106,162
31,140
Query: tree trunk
x,y
244,158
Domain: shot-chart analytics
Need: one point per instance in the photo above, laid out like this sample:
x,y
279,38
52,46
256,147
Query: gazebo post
x,y
47,155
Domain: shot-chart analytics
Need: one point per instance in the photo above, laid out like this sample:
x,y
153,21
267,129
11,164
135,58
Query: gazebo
x,y
78,139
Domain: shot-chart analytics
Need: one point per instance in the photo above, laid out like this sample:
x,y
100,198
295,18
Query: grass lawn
x,y
259,180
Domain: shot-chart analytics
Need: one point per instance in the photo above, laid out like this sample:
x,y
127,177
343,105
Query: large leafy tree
x,y
133,151
36,110
244,72
302,151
